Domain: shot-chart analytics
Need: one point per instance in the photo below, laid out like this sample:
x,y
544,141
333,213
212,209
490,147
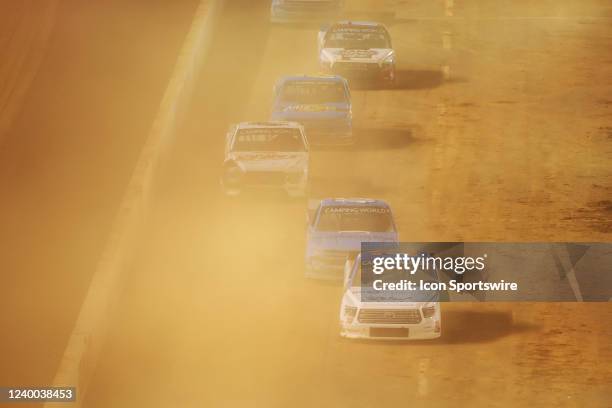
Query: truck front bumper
x,y
427,329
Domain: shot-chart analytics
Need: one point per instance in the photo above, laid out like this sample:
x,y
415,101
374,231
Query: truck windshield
x,y
363,39
269,140
347,218
313,92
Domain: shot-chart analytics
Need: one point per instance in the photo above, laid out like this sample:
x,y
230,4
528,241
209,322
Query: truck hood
x,y
375,55
270,161
348,240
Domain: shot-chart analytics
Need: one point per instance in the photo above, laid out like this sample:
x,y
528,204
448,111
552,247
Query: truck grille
x,y
389,316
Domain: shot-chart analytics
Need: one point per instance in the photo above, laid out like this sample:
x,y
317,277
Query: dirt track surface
x,y
80,83
499,130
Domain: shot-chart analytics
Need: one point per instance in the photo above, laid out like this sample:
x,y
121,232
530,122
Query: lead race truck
x,y
336,230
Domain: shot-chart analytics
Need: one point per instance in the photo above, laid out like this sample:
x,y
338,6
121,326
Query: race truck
x,y
336,229
266,155
358,51
285,11
321,103
387,315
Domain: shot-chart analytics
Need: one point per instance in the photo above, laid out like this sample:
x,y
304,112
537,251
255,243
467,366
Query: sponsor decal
x,y
356,29
310,108
348,54
356,210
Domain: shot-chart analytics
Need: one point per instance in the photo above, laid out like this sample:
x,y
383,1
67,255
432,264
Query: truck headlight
x,y
429,311
388,62
349,314
232,174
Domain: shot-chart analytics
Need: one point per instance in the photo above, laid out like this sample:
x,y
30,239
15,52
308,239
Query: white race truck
x,y
360,51
388,315
271,155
